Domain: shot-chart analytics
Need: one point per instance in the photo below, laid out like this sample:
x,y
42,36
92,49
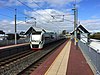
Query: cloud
x,y
41,3
44,20
92,25
48,14
5,25
95,17
8,26
60,2
9,3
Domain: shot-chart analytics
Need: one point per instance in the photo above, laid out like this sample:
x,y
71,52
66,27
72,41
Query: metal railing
x,y
11,42
93,55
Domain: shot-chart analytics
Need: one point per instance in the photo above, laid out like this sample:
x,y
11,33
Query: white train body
x,y
36,40
39,39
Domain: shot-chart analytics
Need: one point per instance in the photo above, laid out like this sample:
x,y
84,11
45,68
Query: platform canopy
x,y
81,29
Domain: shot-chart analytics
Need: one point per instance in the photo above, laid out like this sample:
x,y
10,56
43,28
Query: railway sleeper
x,y
22,63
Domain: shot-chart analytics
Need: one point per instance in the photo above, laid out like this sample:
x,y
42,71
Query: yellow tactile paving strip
x,y
59,66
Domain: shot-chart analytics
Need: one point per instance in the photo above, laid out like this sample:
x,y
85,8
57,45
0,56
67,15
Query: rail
x,y
17,66
11,50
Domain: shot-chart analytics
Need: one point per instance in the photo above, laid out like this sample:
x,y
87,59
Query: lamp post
x,y
15,29
75,23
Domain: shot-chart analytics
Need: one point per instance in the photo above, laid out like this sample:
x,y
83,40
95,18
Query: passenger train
x,y
39,39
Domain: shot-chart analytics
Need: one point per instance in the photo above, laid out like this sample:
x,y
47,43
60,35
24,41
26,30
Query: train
x,y
39,39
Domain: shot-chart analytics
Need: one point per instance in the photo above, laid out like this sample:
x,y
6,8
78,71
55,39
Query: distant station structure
x,y
2,35
82,34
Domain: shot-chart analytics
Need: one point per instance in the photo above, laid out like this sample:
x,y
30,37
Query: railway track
x,y
22,63
14,57
39,61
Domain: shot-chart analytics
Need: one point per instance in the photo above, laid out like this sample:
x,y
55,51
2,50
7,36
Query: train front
x,y
35,41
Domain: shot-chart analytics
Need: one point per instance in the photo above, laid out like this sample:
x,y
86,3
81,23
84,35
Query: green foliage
x,y
22,33
95,36
64,32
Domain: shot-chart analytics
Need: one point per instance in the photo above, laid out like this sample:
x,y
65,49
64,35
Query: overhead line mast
x,y
15,29
75,22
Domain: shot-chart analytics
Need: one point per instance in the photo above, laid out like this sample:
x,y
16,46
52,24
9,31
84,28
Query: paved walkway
x,y
77,64
59,66
67,60
41,70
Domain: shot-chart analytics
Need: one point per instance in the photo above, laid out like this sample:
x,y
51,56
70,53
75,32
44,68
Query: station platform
x,y
66,60
11,46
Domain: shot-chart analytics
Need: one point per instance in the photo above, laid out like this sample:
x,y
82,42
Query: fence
x,y
92,54
11,42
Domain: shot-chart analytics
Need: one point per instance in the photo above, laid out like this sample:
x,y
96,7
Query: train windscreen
x,y
36,37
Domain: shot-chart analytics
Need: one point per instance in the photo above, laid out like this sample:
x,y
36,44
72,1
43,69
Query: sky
x,y
49,14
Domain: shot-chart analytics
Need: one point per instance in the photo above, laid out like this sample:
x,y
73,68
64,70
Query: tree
x,y
64,32
95,36
22,33
1,32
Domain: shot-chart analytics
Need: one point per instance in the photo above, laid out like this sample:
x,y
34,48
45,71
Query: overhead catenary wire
x,y
42,8
30,17
11,8
33,10
69,20
48,13
26,16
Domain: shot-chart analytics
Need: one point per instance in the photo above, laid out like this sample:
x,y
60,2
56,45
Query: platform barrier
x,y
92,56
